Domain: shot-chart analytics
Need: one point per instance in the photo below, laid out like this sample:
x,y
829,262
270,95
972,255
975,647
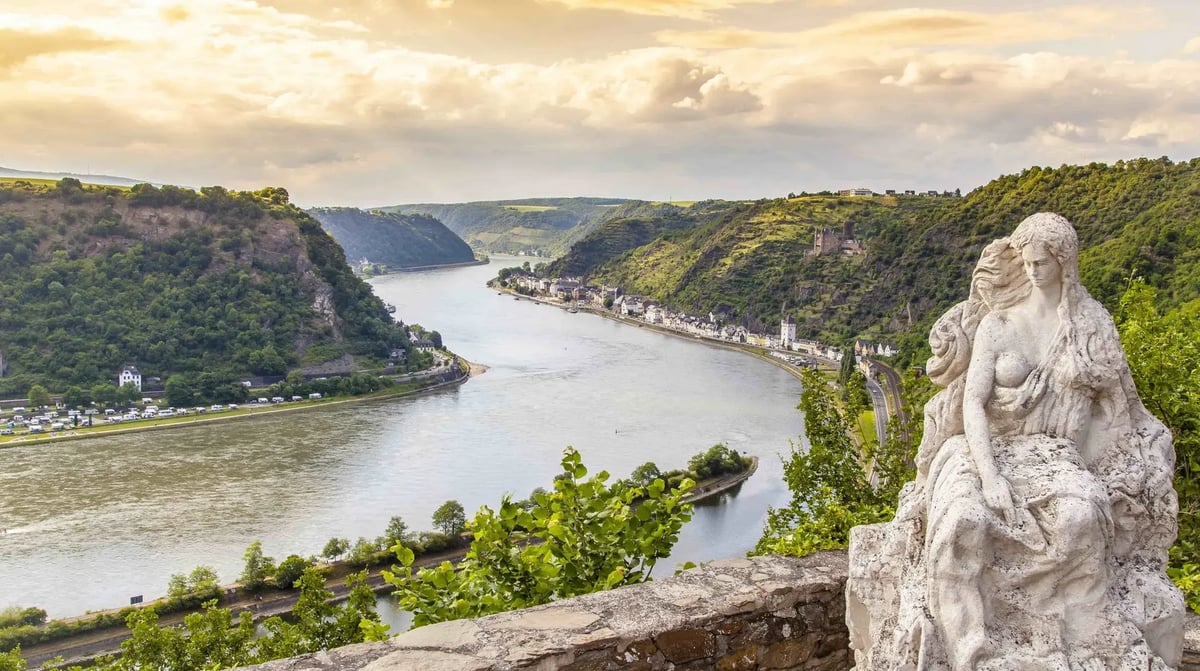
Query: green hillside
x,y
541,226
174,281
750,259
396,240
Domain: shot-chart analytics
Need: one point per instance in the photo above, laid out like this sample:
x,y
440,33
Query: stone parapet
x,y
778,613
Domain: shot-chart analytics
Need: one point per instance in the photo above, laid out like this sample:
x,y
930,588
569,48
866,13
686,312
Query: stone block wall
x,y
769,613
778,613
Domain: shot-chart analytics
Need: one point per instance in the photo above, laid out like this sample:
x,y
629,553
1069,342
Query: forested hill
x,y
173,281
396,240
750,259
543,226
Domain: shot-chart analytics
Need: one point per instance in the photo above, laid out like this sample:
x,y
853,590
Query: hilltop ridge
x,y
175,281
757,261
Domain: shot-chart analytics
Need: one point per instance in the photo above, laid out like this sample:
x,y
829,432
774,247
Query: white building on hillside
x,y
130,374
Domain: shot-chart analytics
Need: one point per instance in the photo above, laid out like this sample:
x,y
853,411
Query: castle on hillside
x,y
828,241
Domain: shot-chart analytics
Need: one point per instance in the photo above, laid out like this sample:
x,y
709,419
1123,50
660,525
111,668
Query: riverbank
x,y
84,648
745,349
402,389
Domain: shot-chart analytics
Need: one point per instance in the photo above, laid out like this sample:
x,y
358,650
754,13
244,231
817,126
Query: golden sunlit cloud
x,y
925,28
345,107
17,46
700,10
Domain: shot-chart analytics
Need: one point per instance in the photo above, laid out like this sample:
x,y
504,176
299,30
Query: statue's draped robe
x,y
1076,580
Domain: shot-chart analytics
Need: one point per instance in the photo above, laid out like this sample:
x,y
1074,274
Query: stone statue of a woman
x,y
1035,534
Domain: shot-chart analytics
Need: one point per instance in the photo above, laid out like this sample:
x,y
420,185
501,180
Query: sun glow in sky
x,y
376,102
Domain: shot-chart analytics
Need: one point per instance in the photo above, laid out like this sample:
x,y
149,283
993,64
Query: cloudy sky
x,y
374,102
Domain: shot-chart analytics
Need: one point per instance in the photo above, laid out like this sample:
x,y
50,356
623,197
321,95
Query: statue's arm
x,y
981,380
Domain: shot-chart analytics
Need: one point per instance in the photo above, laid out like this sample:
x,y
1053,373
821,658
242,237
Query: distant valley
x,y
397,241
534,226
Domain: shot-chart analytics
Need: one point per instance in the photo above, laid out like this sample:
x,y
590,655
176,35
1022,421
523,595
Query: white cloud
x,y
341,111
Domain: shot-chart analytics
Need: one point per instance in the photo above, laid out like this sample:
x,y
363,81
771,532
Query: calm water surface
x,y
92,522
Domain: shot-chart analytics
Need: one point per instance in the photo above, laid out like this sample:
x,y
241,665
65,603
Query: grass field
x,y
678,203
866,426
531,208
52,182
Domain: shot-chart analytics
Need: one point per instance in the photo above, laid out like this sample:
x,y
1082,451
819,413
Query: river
x,y
92,522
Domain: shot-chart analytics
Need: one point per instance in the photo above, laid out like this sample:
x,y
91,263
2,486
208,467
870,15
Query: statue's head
x,y
1055,235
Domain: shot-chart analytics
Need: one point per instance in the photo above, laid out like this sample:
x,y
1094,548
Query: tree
x,y
716,461
1163,351
363,552
204,579
38,396
855,394
177,586
128,393
335,547
76,397
847,366
397,531
258,568
179,391
581,537
828,482
289,571
436,339
104,393
450,518
645,474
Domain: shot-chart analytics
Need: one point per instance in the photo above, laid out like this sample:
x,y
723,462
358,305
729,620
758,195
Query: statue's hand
x,y
998,495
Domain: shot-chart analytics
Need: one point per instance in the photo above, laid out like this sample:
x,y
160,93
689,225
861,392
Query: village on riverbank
x,y
783,347
50,422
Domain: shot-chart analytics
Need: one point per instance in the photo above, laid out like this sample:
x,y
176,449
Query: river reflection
x,y
91,523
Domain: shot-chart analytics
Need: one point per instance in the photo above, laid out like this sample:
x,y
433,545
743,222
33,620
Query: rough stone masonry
x,y
734,615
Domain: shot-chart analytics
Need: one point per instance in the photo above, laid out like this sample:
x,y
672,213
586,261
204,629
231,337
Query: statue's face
x,y
1040,265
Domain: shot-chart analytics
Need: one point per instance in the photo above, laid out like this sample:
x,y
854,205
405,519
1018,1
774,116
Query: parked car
x,y
297,398
6,432
217,407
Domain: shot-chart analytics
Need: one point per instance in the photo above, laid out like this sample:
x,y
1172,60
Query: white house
x,y
130,374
